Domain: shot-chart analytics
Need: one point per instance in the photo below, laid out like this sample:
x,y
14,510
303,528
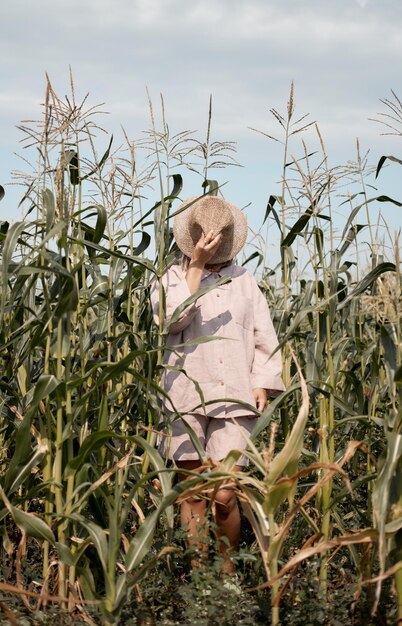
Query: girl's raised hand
x,y
203,252
206,247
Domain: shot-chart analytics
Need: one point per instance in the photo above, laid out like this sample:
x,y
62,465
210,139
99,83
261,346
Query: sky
x,y
343,56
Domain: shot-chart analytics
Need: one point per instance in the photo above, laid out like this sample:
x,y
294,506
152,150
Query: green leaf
x,y
46,384
389,343
345,491
157,461
211,187
381,491
93,442
350,237
100,223
355,211
73,166
277,493
87,584
297,228
398,375
253,510
4,226
16,475
252,256
367,281
270,209
167,200
302,222
290,453
295,326
141,542
50,206
22,450
314,358
118,255
67,299
177,185
100,285
382,161
10,242
32,525
159,465
199,340
55,230
115,369
99,540
266,416
101,162
65,554
143,245
183,208
177,312
319,242
358,418
230,460
195,441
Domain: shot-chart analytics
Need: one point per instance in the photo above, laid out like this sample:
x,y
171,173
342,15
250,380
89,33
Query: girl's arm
x,y
203,252
179,287
266,371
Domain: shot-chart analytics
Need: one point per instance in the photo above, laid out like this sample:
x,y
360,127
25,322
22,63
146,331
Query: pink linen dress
x,y
240,358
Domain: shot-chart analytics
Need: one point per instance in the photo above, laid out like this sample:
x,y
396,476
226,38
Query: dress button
x,y
222,383
217,295
220,360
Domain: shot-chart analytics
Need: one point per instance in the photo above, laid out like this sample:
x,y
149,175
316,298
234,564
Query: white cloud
x,y
14,103
244,52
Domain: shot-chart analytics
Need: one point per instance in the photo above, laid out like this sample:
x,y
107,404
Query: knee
x,y
194,503
225,502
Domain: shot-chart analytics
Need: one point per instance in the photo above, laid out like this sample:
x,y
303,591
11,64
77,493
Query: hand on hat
x,y
205,248
203,252
205,214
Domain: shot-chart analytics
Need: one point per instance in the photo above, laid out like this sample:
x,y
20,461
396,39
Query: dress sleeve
x,y
176,291
267,367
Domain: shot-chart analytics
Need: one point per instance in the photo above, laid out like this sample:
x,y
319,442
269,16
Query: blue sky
x,y
343,56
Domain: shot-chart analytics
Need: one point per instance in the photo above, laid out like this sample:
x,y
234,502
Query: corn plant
x,y
81,361
348,353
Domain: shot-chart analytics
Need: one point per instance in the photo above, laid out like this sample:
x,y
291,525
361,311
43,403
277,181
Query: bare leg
x,y
228,524
193,517
227,518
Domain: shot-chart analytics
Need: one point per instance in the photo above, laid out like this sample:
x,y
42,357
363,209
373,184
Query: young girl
x,y
211,383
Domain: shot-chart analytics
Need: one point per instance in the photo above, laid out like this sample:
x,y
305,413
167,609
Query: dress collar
x,y
224,271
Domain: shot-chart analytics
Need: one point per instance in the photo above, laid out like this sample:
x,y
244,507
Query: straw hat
x,y
210,213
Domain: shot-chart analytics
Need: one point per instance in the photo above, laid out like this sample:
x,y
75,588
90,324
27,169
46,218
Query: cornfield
x,y
88,517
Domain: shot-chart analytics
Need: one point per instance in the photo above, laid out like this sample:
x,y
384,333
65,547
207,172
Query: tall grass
x,y
82,362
